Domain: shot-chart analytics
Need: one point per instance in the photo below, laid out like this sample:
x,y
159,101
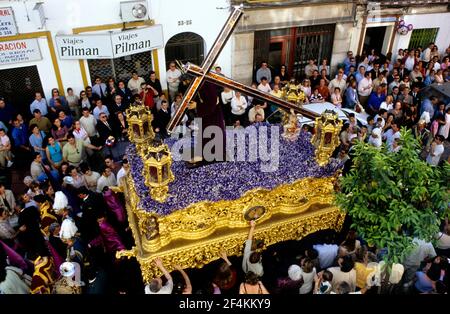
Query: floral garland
x,y
230,180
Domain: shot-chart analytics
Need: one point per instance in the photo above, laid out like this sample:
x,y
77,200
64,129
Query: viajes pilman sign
x,y
108,46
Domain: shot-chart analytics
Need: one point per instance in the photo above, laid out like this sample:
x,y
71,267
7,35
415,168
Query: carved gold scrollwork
x,y
127,253
195,235
148,225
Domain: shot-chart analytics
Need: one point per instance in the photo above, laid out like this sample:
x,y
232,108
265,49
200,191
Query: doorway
x,y
18,86
277,54
185,47
293,47
374,39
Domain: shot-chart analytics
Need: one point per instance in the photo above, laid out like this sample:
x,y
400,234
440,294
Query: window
x,y
18,85
185,47
121,68
422,37
312,42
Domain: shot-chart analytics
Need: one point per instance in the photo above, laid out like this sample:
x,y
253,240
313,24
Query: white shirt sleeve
x,y
247,252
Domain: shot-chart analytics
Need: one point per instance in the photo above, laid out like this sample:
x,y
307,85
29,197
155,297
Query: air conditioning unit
x,y
131,11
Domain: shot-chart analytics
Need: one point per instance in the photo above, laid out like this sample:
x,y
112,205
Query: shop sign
x,y
7,23
108,46
18,51
137,40
84,46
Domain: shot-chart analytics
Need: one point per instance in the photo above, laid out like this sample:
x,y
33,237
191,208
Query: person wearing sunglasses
x,y
74,150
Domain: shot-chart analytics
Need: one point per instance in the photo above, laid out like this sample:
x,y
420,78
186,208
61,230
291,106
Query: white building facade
x,y
196,21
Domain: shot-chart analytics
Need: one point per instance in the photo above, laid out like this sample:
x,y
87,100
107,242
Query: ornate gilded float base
x,y
195,235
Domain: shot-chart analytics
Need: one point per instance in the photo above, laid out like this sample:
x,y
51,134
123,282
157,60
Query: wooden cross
x,y
203,73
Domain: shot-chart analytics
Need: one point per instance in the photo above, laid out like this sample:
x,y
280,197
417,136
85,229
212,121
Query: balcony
x,y
403,3
384,3
280,3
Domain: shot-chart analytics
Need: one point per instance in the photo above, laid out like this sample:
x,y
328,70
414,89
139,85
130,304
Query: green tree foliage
x,y
393,197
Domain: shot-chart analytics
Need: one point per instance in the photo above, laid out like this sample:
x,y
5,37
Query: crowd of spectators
x,y
61,233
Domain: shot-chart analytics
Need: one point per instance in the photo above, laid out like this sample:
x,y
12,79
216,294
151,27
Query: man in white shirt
x,y
173,81
437,149
90,177
39,103
252,260
436,64
327,254
392,134
426,54
388,104
256,110
365,88
5,149
100,108
412,262
123,171
310,68
238,107
107,179
99,88
375,137
88,122
382,114
134,84
410,61
264,85
155,286
338,82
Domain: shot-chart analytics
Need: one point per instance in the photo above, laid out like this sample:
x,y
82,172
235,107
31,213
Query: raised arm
x,y
188,289
92,146
252,230
161,267
224,256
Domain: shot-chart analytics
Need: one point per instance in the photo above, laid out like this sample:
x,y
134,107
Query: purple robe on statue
x,y
115,205
109,238
210,111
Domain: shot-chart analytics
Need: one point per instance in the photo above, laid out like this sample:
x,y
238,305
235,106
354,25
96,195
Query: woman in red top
x,y
147,94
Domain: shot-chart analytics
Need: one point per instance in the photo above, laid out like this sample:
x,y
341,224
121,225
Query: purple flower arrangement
x,y
230,180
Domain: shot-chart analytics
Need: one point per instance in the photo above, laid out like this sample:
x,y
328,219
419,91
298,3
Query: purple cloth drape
x,y
109,238
115,205
14,258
